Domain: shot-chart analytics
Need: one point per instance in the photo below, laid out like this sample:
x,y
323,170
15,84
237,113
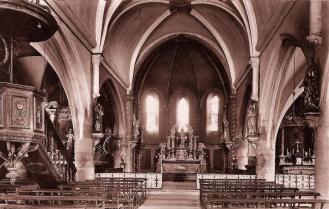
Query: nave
x,y
108,103
174,195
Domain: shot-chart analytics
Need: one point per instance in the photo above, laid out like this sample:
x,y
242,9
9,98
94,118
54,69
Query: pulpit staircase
x,y
51,163
28,138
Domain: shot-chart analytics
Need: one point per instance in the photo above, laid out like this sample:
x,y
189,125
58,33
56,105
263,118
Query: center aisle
x,y
174,195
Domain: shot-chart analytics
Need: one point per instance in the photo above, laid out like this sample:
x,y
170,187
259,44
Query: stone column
x,y
232,119
265,158
84,153
254,62
96,60
315,22
322,152
232,116
129,133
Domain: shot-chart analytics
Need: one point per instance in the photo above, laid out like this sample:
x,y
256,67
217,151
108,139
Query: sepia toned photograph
x,y
164,104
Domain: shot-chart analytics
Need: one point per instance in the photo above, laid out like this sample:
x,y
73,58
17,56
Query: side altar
x,y
182,152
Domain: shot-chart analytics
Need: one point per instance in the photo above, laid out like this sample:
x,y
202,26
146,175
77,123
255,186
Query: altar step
x,y
171,185
179,177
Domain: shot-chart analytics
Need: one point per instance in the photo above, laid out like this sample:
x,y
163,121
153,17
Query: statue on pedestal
x,y
251,119
98,118
70,140
311,87
226,130
137,130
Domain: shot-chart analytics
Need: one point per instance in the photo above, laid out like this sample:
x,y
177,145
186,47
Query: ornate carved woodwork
x,y
21,114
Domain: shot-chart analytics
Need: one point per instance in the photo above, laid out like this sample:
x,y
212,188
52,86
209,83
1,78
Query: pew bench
x,y
265,203
58,201
209,197
127,196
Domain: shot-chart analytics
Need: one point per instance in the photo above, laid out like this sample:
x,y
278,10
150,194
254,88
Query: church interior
x,y
164,104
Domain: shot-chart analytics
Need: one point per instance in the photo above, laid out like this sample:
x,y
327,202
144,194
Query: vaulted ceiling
x,y
182,64
126,31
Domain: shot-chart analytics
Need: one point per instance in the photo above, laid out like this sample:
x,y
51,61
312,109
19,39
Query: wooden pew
x,y
209,198
266,203
140,189
127,188
213,189
57,201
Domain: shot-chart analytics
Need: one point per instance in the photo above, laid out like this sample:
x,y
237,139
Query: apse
x,y
181,83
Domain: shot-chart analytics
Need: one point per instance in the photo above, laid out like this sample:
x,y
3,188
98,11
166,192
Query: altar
x,y
182,152
181,166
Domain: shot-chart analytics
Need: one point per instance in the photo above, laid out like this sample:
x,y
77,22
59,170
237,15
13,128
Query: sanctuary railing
x,y
301,181
154,180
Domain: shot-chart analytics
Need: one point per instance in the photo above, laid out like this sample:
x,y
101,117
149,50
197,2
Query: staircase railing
x,y
60,157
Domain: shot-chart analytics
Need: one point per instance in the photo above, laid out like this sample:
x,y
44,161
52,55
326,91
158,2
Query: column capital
x,y
130,96
254,62
233,95
315,40
96,58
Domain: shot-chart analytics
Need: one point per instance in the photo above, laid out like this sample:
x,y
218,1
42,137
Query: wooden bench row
x,y
132,187
222,193
100,193
266,203
59,201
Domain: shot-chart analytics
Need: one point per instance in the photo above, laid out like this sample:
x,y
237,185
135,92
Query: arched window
x,y
212,112
152,113
182,113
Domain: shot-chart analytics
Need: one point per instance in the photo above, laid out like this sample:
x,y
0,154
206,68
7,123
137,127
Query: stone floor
x,y
174,195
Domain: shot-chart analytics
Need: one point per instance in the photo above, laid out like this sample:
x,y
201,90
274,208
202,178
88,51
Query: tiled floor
x,y
174,195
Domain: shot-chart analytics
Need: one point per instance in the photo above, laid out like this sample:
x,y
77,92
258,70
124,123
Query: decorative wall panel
x,y
20,115
38,114
302,182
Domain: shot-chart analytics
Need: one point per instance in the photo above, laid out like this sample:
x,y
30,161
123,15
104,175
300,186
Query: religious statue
x,y
98,118
163,148
226,135
251,119
172,132
311,87
182,140
70,139
137,129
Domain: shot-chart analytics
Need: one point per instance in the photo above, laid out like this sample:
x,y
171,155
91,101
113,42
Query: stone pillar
x,y
254,62
315,22
84,153
265,158
232,116
232,119
322,152
96,60
129,133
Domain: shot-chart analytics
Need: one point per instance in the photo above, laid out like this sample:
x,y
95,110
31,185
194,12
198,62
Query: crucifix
x,y
297,145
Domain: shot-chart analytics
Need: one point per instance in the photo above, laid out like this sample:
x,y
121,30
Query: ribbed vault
x,y
181,64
